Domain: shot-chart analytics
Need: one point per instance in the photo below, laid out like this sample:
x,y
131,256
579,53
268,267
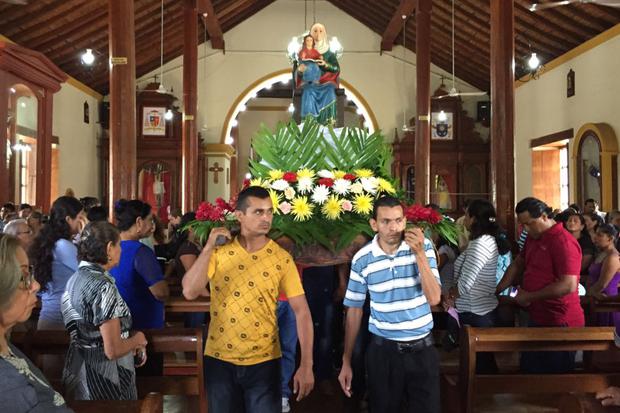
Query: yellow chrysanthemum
x,y
301,209
362,204
305,173
385,186
339,174
332,208
275,200
259,182
363,173
275,174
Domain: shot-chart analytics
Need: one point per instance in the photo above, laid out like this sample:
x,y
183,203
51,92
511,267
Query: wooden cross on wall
x,y
216,169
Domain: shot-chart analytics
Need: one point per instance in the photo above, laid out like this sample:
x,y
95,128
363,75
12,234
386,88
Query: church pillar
x,y
423,101
4,136
122,165
502,113
44,151
189,147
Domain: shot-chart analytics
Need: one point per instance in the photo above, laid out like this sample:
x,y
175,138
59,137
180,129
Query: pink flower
x,y
285,207
347,206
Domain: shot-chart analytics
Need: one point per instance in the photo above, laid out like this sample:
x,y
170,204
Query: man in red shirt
x,y
547,270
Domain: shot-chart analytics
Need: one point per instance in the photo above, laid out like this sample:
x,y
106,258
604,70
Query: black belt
x,y
405,346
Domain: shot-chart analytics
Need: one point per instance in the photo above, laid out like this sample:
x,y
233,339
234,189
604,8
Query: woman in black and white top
x,y
472,292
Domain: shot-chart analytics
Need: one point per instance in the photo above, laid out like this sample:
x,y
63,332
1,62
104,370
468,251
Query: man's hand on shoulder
x,y
414,237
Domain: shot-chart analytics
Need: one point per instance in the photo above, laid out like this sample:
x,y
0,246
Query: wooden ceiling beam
x,y
212,22
15,12
405,8
43,42
55,16
98,40
583,23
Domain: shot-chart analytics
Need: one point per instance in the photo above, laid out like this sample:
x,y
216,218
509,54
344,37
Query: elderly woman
x,y
20,229
24,388
100,359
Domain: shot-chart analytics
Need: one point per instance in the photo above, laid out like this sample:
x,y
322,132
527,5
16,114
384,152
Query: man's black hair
x,y
251,191
534,206
385,201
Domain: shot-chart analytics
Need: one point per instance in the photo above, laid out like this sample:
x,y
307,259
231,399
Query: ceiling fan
x,y
552,4
161,89
453,91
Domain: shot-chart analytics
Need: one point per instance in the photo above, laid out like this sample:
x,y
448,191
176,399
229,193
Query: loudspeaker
x,y
484,111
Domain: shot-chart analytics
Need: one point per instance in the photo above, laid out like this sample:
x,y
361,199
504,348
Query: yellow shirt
x,y
244,292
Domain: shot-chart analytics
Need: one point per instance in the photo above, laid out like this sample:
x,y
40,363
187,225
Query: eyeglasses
x,y
27,277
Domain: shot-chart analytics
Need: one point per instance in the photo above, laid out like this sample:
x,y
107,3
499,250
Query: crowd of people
x,y
103,283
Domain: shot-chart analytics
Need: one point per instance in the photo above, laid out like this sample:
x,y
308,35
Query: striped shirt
x,y
475,276
398,307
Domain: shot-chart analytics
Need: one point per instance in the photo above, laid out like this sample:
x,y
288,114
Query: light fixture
x,y
359,111
248,176
291,107
22,147
168,115
12,90
161,89
229,140
22,104
442,116
243,108
234,123
533,62
88,58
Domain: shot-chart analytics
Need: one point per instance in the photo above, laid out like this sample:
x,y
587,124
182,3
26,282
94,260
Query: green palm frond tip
x,y
290,148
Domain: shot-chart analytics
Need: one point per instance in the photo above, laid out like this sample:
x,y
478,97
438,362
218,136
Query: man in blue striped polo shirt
x,y
400,274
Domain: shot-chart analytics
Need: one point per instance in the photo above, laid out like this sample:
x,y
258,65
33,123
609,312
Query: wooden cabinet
x,y
459,164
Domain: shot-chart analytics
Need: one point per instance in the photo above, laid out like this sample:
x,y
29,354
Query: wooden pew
x,y
181,305
152,403
181,379
516,339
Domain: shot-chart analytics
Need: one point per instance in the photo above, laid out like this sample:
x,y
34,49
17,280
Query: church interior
x,y
166,102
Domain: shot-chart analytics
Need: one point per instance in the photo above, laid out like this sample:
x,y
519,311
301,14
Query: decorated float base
x,y
315,255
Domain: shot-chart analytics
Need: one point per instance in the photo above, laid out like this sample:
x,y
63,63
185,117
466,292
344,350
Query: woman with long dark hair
x,y
54,257
576,224
475,276
139,277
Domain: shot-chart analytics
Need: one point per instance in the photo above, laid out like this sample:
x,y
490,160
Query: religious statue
x,y
317,76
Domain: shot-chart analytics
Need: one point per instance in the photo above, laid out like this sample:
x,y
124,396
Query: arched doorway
x,y
595,160
267,101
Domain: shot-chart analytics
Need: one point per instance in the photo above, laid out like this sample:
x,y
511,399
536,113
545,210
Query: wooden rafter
x,y
405,8
212,22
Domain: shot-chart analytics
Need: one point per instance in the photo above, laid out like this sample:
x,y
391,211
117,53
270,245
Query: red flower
x,y
328,182
290,177
246,183
223,204
208,212
418,213
349,177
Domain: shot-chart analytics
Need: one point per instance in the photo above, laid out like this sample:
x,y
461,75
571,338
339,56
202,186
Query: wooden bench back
x,y
517,339
191,381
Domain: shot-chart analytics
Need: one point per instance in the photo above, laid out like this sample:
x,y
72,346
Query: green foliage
x,y
290,148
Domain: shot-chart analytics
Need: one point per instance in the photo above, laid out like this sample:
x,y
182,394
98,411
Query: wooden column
x,y
122,165
423,101
502,112
4,171
44,151
189,145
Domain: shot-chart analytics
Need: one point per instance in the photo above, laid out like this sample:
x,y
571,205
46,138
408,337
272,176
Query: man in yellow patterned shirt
x,y
242,354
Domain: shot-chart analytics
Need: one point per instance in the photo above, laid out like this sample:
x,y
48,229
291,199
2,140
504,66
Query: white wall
x,y
79,161
542,107
256,48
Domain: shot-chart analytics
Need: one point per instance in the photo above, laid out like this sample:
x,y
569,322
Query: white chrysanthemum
x,y
320,194
289,193
324,173
356,188
341,186
279,185
304,185
369,184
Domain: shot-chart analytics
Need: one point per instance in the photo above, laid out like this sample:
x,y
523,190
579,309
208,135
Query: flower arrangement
x,y
323,184
431,220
